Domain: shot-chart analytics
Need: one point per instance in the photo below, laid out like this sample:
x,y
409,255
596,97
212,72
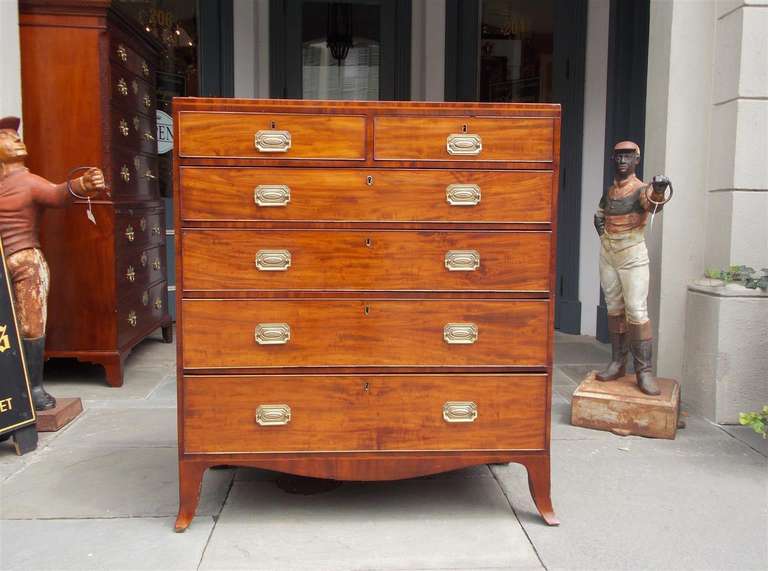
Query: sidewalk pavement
x,y
102,494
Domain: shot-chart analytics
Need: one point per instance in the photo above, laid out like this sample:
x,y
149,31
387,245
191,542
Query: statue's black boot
x,y
617,368
642,353
34,350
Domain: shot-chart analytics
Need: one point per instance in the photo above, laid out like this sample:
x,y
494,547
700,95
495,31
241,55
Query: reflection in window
x,y
516,51
340,51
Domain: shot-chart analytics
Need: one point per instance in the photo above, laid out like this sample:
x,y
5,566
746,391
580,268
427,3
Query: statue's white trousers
x,y
624,275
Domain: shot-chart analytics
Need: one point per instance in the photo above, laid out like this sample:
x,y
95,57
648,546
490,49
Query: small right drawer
x,y
509,139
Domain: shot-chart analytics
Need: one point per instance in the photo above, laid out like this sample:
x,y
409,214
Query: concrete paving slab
x,y
648,510
105,482
136,543
165,391
153,427
580,353
559,378
749,437
68,378
449,523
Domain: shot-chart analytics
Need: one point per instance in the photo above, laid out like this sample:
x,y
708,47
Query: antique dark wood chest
x,y
366,289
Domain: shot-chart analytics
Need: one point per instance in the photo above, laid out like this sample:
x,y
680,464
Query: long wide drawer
x,y
517,139
364,413
338,333
271,135
390,260
340,195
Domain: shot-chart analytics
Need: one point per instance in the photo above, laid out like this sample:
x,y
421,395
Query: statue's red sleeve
x,y
50,195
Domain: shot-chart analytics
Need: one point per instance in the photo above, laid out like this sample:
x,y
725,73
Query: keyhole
x,y
367,310
273,125
368,242
369,180
365,387
464,128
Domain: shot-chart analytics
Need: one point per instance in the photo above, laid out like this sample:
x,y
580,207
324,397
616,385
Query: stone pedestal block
x,y
725,361
620,407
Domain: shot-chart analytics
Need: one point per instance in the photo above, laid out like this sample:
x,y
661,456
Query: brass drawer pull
x,y
460,333
464,144
156,264
122,86
459,411
273,141
158,304
273,414
462,194
273,260
272,195
129,233
156,230
148,136
144,68
124,127
273,333
462,260
130,274
122,53
147,101
132,319
125,174
149,175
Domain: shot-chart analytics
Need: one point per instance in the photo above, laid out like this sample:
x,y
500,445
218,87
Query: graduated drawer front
x,y
210,134
427,138
328,333
389,260
135,316
338,195
363,413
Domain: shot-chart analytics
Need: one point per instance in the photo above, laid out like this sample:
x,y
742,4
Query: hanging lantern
x,y
339,35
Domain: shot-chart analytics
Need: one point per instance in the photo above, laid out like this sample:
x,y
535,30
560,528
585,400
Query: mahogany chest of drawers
x,y
366,288
108,280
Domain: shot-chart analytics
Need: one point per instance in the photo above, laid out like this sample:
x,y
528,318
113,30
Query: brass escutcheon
x,y
130,274
122,53
129,233
158,303
122,86
132,319
156,264
125,174
123,126
147,101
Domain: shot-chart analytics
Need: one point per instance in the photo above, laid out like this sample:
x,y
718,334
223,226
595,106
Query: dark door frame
x,y
215,48
625,95
285,48
462,40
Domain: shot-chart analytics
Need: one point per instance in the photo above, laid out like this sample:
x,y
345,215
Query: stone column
x,y
726,350
10,62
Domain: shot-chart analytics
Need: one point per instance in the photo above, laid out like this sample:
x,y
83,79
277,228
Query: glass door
x,y
342,49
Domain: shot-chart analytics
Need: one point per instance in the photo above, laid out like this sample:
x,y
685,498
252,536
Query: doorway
x,y
341,49
529,51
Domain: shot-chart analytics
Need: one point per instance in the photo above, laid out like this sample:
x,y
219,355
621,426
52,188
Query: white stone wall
x,y
10,62
593,160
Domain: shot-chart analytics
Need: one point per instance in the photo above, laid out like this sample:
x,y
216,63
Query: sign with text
x,y
16,410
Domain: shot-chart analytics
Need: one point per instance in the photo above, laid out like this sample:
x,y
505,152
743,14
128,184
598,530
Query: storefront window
x,y
516,50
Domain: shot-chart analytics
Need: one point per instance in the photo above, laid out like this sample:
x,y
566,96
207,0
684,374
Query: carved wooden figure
x,y
23,196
